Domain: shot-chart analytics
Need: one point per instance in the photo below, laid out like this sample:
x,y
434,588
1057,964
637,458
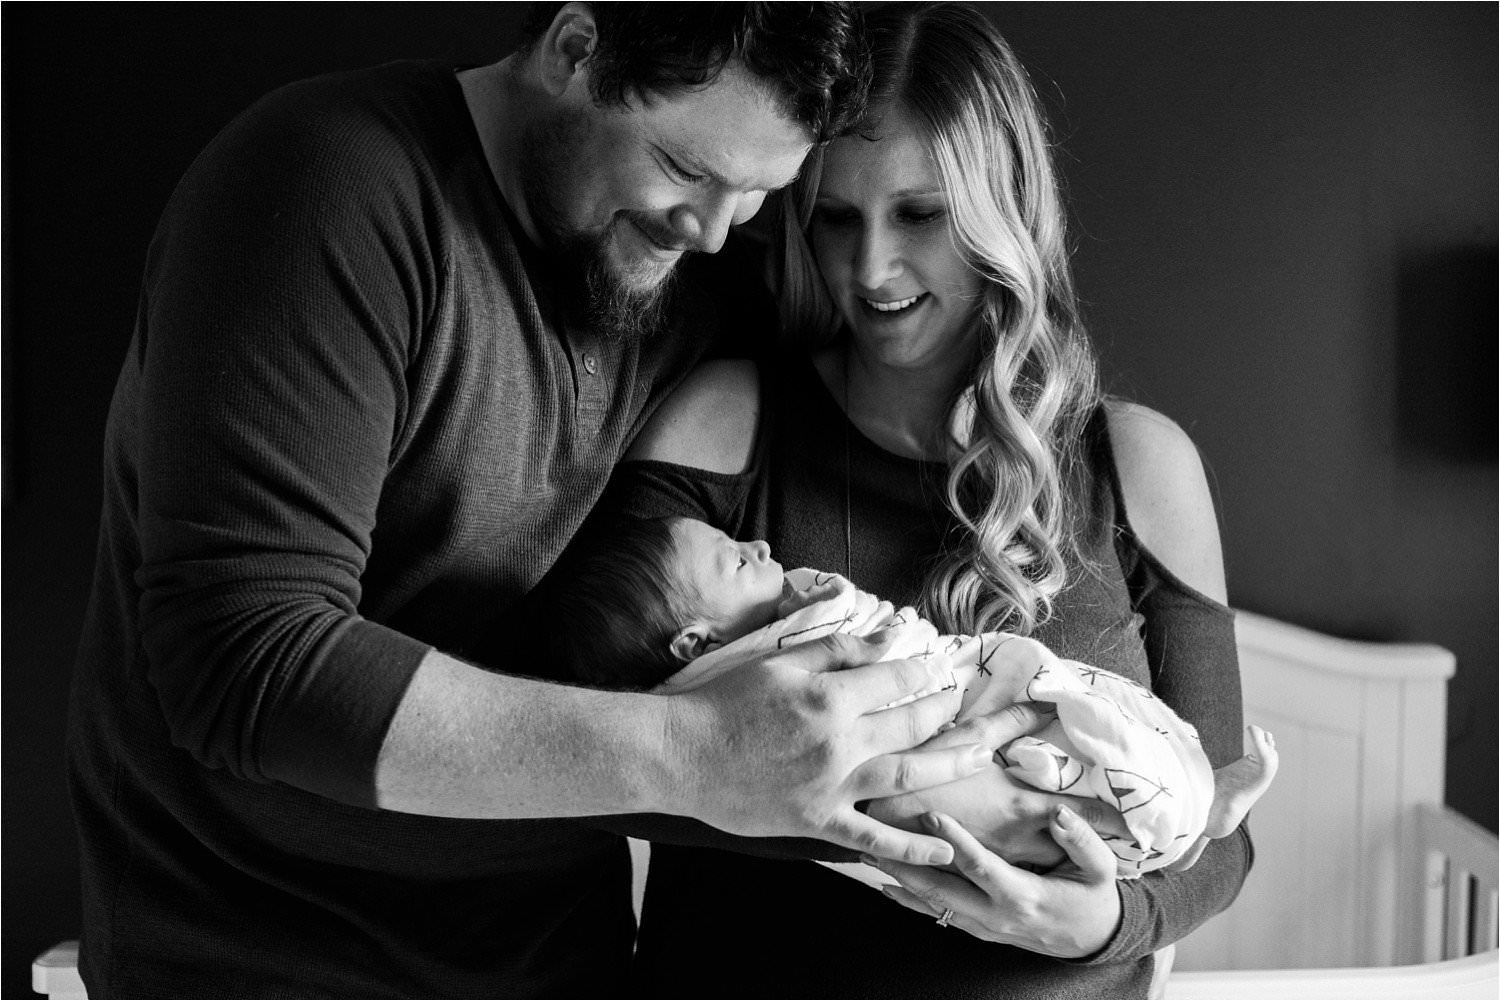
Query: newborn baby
x,y
667,604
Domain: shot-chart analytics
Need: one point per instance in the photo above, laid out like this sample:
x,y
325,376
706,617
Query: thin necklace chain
x,y
848,477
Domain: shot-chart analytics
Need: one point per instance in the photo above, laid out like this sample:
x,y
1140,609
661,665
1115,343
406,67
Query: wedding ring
x,y
947,916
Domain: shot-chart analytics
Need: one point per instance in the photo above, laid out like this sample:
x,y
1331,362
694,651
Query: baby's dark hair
x,y
607,610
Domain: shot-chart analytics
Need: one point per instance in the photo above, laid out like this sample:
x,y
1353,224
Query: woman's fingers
x,y
889,845
1095,862
977,863
948,916
1069,912
935,892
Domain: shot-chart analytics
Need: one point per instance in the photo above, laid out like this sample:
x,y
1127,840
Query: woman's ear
x,y
692,642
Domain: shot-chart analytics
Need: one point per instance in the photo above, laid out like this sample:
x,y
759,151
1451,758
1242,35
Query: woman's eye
x,y
742,564
835,217
918,218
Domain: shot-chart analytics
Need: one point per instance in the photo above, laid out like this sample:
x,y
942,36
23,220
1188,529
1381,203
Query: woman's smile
x,y
894,305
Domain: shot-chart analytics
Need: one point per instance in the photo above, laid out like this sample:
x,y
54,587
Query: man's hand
x,y
787,745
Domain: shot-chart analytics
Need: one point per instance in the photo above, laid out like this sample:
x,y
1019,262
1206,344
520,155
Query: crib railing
x,y
1456,870
1365,886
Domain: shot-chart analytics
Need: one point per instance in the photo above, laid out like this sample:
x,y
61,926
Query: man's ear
x,y
692,642
567,45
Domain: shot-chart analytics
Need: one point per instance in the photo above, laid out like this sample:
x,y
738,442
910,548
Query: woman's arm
x,y
708,423
1080,910
1166,495
1180,589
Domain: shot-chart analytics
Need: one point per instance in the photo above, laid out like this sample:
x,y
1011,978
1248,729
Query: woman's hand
x,y
1069,912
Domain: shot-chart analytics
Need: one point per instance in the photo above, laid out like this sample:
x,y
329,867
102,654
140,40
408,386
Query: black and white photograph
x,y
750,500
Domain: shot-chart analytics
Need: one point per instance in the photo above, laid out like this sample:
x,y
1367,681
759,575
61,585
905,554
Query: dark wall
x,y
1287,241
105,106
1287,232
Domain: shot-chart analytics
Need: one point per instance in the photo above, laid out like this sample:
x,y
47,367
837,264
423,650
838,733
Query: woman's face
x,y
883,236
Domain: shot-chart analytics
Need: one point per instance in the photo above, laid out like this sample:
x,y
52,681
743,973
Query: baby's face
x,y
738,583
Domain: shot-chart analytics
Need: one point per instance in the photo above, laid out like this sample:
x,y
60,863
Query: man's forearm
x,y
469,743
783,746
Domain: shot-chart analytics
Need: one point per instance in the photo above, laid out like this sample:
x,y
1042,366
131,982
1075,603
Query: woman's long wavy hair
x,y
1018,417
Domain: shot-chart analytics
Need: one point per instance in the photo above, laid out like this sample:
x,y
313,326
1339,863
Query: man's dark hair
x,y
814,54
606,613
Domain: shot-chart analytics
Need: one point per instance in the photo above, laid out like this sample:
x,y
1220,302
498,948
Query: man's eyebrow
x,y
693,165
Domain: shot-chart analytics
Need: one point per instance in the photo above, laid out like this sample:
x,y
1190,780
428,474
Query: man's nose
x,y
705,225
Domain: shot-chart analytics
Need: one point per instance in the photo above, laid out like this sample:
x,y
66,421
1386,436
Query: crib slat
x,y
1461,885
1434,903
1485,933
1456,913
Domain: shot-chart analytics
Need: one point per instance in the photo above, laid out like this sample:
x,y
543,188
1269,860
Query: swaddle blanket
x,y
1112,740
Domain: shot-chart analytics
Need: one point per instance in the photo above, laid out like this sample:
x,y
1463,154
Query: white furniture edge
x,y
1471,977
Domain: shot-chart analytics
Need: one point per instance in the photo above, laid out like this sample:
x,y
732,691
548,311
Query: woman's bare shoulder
x,y
708,422
1167,497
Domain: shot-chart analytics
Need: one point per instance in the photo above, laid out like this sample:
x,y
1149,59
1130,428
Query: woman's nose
x,y
877,258
761,550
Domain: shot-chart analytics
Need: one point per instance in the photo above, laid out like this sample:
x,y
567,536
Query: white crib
x,y
1365,885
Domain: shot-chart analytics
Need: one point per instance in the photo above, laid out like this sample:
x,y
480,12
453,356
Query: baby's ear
x,y
692,642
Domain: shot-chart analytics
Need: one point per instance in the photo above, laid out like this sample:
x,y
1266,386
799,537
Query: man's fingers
x,y
909,771
864,834
839,651
872,687
907,726
998,728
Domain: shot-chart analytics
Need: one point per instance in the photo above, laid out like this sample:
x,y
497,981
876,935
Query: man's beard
x,y
621,303
625,306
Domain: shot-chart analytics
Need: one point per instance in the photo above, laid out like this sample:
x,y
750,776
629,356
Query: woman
x,y
946,445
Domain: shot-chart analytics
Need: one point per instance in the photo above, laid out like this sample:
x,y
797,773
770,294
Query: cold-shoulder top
x,y
824,495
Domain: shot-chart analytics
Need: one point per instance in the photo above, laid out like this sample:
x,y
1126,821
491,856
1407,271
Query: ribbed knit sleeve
x,y
1195,669
285,291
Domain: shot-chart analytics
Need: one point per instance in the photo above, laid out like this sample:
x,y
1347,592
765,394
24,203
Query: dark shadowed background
x,y
1286,229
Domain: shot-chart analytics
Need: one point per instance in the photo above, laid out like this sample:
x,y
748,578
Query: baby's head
x,y
628,607
727,588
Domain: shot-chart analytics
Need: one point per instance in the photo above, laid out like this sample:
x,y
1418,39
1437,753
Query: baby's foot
x,y
1241,782
1236,788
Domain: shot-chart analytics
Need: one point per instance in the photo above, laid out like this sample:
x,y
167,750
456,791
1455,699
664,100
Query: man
x,y
389,345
